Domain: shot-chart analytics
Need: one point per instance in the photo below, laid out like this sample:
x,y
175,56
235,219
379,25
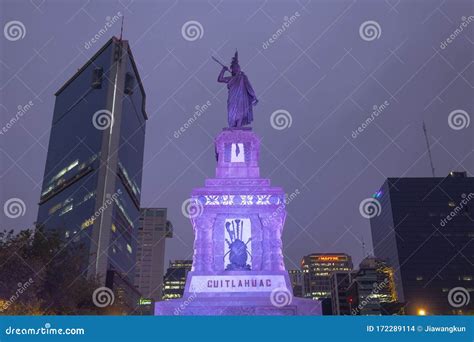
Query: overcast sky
x,y
325,70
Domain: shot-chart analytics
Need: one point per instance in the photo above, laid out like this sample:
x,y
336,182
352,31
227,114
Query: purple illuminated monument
x,y
238,218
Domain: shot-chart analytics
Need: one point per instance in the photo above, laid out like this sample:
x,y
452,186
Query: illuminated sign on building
x,y
144,301
236,283
331,258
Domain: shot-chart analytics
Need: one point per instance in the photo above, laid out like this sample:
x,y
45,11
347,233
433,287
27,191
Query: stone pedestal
x,y
238,266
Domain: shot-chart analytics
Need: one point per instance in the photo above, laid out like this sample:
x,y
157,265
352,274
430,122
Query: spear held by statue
x,y
219,62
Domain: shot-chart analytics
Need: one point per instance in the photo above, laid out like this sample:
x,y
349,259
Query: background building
x,y
317,269
340,282
372,290
297,282
175,279
425,231
92,180
153,230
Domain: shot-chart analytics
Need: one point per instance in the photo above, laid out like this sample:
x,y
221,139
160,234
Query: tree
x,y
40,274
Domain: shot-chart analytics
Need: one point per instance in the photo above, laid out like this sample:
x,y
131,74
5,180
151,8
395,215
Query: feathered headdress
x,y
235,59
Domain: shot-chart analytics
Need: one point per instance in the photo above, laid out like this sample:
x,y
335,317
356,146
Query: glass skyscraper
x,y
425,230
92,181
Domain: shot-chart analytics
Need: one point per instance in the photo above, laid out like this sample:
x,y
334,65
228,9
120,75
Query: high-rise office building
x,y
340,301
317,269
93,173
372,290
174,281
153,230
297,282
425,230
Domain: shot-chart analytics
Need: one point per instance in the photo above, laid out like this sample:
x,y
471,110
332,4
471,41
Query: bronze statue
x,y
241,97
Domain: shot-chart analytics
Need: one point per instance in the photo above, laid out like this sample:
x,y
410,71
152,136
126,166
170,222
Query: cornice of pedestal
x,y
241,198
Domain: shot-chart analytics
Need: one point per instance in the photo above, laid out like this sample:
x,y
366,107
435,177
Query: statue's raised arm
x,y
241,97
222,78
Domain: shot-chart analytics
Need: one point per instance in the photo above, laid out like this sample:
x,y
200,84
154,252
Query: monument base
x,y
238,220
194,305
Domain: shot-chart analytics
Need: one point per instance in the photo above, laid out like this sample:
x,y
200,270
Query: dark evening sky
x,y
324,70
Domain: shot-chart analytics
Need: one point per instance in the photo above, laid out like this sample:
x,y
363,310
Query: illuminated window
x,y
87,223
47,190
66,209
60,173
419,278
73,165
55,208
66,169
88,196
119,205
451,204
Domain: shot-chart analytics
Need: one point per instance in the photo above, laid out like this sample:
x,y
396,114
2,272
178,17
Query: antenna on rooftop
x,y
121,29
363,248
429,149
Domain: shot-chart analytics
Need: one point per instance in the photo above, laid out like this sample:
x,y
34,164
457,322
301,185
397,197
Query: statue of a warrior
x,y
241,97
